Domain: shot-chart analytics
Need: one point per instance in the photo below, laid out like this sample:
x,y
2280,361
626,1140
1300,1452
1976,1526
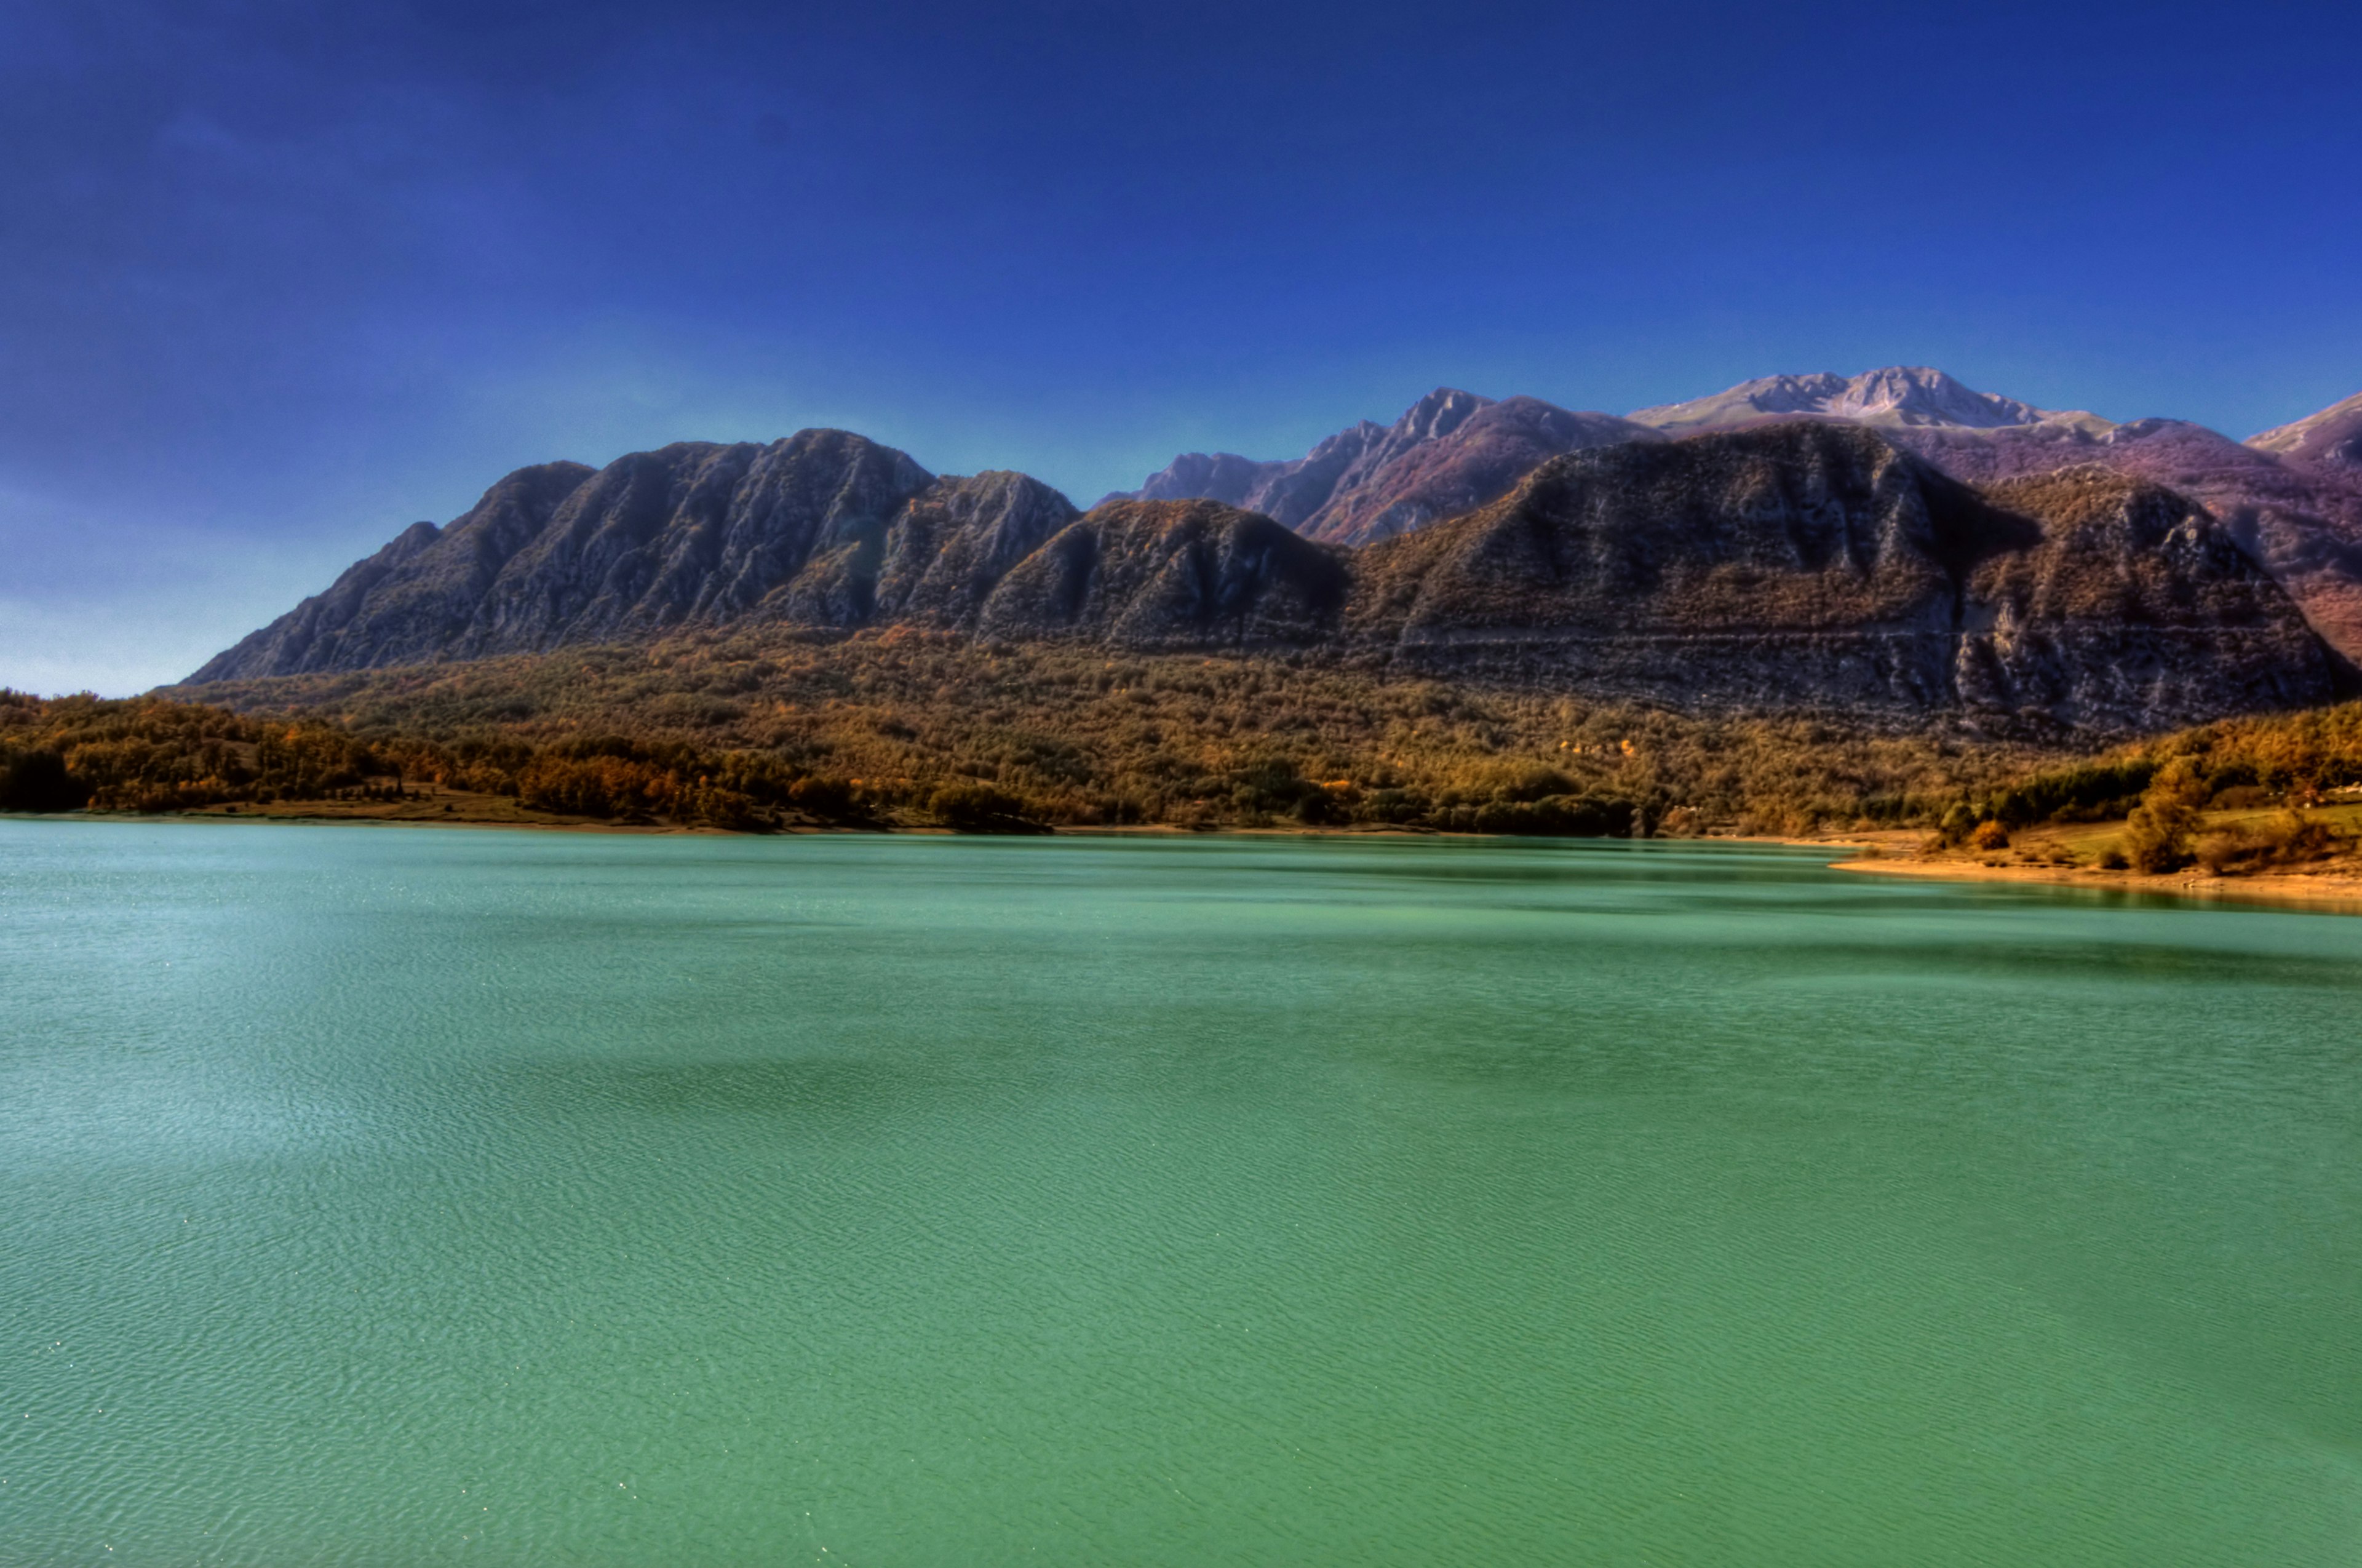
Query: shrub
x,y
831,798
1318,809
1558,816
980,808
1989,835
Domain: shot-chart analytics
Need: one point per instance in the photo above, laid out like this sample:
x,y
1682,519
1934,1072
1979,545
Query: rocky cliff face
x,y
1450,452
2301,521
1800,565
957,541
2135,605
1819,567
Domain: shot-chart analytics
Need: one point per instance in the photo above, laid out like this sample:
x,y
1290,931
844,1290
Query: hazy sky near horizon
x,y
277,280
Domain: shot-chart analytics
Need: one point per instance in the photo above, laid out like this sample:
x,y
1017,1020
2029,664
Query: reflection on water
x,y
381,1195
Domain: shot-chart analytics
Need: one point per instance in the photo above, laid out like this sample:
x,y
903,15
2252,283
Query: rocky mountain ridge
x,y
1453,450
1813,565
2293,496
825,527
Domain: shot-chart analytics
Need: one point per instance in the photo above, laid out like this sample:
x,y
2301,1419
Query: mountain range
x,y
1451,451
2293,496
1894,545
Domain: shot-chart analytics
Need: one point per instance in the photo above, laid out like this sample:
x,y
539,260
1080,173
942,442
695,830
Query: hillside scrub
x,y
2179,795
1081,738
2300,758
752,732
150,755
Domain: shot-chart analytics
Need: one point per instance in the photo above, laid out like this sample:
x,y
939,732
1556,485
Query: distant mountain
x,y
1899,395
2333,436
1802,565
1451,451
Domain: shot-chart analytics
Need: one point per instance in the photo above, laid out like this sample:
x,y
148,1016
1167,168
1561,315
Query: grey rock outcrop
x,y
2135,609
959,538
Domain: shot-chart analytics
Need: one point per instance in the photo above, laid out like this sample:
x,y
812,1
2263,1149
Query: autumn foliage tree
x,y
2156,835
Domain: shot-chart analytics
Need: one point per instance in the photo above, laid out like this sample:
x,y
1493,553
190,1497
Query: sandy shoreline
x,y
2337,891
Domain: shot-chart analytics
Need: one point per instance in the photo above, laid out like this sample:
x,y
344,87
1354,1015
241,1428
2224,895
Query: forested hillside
x,y
754,730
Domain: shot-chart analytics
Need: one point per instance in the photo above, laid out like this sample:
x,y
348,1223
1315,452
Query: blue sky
x,y
278,280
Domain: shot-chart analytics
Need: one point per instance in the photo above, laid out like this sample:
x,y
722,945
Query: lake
x,y
386,1196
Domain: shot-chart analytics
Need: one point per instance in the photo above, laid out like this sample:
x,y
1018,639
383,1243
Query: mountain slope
x,y
1453,451
1167,574
939,558
2333,436
413,600
1290,491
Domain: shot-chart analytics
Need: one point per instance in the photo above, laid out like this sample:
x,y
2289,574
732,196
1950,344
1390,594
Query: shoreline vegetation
x,y
912,732
906,729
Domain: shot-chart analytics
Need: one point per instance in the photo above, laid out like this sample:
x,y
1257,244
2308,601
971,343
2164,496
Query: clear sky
x,y
277,280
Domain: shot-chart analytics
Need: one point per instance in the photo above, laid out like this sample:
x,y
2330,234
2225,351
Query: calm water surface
x,y
387,1197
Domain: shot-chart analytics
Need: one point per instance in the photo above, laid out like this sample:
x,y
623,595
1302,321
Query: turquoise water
x,y
385,1196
